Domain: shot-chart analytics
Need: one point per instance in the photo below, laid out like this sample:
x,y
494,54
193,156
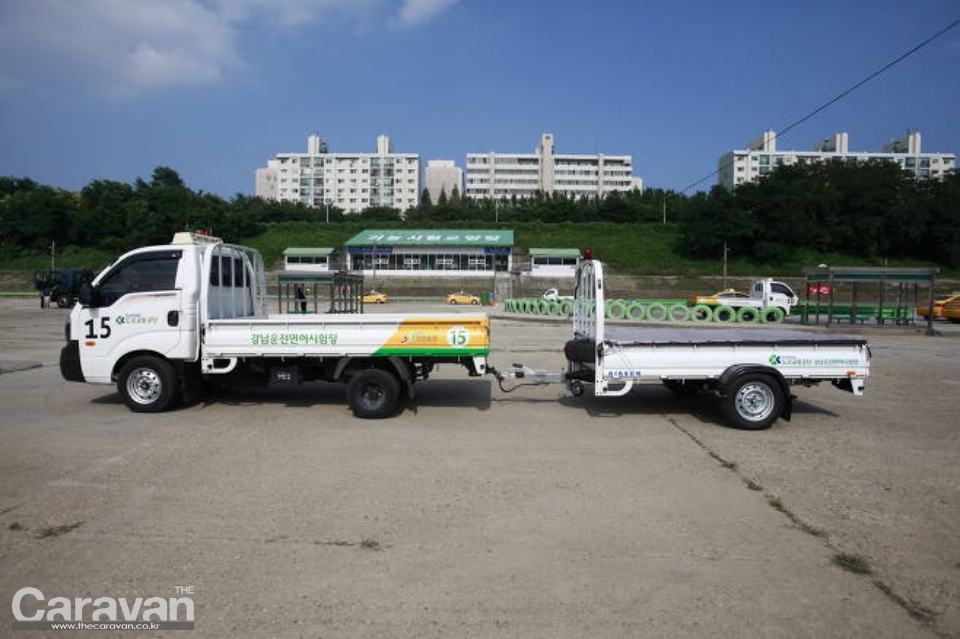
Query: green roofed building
x,y
554,262
434,251
307,259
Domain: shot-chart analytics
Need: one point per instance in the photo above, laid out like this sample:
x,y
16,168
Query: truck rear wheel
x,y
752,402
373,393
148,384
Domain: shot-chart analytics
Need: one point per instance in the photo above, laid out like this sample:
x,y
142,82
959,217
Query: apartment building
x,y
505,175
350,181
761,157
443,176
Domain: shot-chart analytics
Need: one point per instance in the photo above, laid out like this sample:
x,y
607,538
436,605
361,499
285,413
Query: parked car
x,y
554,294
951,310
462,298
938,303
374,297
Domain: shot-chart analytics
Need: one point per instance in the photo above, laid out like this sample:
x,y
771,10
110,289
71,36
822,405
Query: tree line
x,y
864,209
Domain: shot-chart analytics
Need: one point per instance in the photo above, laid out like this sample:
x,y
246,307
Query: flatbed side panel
x,y
691,361
349,335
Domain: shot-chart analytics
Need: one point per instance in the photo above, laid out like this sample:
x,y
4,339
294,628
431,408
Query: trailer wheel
x,y
752,402
373,393
148,384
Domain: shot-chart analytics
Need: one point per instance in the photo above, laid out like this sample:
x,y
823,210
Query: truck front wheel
x,y
373,393
148,384
752,402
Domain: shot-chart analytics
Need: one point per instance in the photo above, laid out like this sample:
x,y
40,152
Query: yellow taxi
x,y
374,297
938,303
462,298
950,310
720,297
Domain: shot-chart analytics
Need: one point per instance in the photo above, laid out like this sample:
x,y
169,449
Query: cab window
x,y
140,273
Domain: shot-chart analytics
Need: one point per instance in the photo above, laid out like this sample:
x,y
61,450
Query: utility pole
x,y
725,251
664,209
53,255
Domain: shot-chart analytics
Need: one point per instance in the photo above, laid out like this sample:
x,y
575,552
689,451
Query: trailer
x,y
164,322
751,371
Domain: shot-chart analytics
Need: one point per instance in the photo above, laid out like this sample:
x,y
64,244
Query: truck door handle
x,y
173,318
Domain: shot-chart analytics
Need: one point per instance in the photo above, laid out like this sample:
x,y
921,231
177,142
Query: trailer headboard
x,y
588,302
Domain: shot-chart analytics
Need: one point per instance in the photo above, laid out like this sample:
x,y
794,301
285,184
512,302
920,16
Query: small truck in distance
x,y
163,320
768,300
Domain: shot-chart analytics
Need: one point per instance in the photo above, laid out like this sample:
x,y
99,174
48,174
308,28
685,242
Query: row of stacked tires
x,y
655,311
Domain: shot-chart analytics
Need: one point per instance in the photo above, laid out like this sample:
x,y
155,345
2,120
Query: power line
x,y
843,94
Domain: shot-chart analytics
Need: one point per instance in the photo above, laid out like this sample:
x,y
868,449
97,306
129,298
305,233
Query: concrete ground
x,y
480,513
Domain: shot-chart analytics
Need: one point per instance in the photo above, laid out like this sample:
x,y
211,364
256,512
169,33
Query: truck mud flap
x,y
70,368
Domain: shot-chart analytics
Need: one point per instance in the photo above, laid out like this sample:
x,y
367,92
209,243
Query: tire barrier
x,y
773,315
617,309
636,311
748,314
657,312
724,314
678,313
701,313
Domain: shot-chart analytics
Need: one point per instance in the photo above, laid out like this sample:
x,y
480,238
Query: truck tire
x,y
148,384
373,393
63,301
752,401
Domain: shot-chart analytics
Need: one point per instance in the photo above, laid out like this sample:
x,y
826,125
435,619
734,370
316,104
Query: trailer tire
x,y
748,314
752,401
701,313
724,314
772,315
148,384
373,393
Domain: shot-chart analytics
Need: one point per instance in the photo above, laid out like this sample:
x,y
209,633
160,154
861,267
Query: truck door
x,y
137,306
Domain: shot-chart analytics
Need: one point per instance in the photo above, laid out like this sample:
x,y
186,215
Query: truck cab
x,y
774,294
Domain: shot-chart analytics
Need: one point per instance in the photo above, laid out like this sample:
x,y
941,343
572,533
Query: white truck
x,y
751,371
163,320
768,300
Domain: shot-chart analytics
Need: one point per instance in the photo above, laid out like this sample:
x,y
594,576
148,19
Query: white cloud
x,y
116,46
414,12
123,47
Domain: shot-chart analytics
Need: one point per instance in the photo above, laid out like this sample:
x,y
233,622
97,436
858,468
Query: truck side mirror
x,y
86,295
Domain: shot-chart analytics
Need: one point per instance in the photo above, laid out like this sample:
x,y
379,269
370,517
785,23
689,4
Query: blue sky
x,y
109,89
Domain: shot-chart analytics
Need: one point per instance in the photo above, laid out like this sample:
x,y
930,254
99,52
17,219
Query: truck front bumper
x,y
70,367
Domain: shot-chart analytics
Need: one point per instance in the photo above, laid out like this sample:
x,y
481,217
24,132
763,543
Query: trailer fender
x,y
738,370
